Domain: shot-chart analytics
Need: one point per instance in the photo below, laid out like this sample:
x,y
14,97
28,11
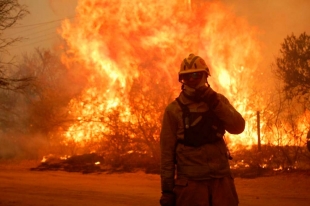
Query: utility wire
x,y
32,43
33,36
36,31
33,40
44,35
42,23
31,29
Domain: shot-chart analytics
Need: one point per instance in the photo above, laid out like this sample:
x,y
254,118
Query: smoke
x,y
61,7
16,146
275,19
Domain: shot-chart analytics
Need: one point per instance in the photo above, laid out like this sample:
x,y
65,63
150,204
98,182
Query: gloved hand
x,y
167,199
207,95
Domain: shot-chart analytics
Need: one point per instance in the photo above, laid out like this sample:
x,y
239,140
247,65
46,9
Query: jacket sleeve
x,y
168,140
233,121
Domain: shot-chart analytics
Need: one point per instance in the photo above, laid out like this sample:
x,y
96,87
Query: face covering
x,y
191,91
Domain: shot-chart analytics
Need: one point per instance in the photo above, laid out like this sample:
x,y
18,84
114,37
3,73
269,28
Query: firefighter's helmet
x,y
193,64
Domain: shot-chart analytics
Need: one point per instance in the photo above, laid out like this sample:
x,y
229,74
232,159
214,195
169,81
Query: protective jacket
x,y
198,162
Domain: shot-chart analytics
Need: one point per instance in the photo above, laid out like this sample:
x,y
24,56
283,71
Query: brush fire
x,y
131,51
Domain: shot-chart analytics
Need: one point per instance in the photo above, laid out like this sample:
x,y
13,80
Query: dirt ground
x,y
19,186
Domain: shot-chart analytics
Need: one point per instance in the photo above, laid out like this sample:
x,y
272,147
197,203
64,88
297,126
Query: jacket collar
x,y
185,100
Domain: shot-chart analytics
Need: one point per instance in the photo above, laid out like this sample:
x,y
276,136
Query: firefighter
x,y
194,156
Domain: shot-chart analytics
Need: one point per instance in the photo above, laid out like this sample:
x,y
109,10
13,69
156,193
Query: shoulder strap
x,y
184,108
185,113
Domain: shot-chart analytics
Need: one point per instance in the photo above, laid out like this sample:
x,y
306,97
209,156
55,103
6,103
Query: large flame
x,y
117,40
120,42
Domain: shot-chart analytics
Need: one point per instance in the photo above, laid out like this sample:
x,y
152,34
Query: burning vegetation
x,y
122,59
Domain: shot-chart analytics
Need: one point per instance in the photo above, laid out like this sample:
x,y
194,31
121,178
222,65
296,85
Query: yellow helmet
x,y
192,64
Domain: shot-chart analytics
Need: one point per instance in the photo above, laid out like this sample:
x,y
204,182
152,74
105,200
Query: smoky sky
x,y
275,19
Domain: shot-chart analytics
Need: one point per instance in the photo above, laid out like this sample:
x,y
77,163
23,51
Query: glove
x,y
167,199
207,95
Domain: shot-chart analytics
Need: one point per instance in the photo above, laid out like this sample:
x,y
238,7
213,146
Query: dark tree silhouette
x,y
10,12
293,65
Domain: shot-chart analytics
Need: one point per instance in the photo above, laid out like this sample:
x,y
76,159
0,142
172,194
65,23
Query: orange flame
x,y
117,40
